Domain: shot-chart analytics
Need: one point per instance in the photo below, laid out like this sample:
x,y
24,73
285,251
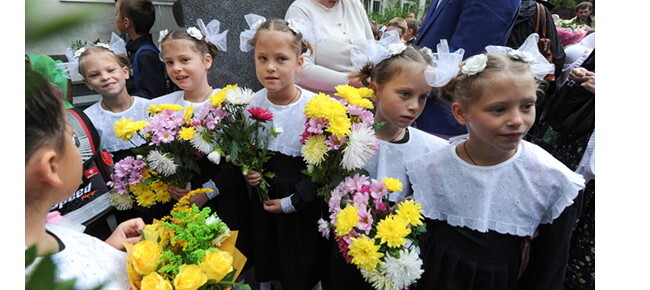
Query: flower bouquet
x,y
228,127
373,234
189,249
167,158
339,135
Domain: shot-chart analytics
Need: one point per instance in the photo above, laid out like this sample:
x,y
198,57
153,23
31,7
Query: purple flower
x,y
363,114
316,125
323,228
334,142
365,219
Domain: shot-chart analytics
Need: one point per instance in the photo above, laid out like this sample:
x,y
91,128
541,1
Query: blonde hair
x,y
122,60
201,46
399,23
466,89
277,24
386,69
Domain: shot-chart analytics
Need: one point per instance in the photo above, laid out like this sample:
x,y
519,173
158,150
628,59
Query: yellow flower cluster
x,y
392,184
411,212
393,230
326,107
359,97
151,193
346,220
155,109
218,98
314,150
187,133
365,254
189,112
125,128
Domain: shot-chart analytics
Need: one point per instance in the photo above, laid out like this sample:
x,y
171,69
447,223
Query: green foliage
x,y
391,10
564,4
38,26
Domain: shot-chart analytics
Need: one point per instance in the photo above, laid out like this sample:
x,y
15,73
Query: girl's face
x,y
187,68
502,115
401,100
276,61
104,74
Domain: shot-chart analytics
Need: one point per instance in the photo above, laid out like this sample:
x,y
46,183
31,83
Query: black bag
x,y
573,109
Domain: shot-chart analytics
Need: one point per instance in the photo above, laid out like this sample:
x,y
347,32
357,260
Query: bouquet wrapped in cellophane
x,y
229,127
339,135
375,235
167,158
189,249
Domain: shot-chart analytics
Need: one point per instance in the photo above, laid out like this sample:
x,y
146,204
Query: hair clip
x,y
445,64
474,64
212,34
294,25
194,32
162,35
529,53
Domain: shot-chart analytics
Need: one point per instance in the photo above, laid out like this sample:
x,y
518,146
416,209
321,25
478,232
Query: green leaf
x,y
30,255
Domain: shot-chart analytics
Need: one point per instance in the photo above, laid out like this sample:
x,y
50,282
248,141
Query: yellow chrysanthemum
x,y
146,198
218,98
339,126
155,109
125,128
411,212
393,230
189,112
365,92
365,254
346,220
392,184
314,150
324,106
187,133
353,96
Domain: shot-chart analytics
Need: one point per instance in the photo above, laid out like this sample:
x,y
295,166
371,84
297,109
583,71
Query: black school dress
x,y
288,247
461,258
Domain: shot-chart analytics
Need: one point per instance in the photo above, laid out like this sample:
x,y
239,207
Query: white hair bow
x,y
445,65
375,51
527,52
212,34
117,45
254,22
309,30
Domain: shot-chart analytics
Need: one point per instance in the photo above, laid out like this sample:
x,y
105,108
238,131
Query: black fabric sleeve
x,y
306,191
152,82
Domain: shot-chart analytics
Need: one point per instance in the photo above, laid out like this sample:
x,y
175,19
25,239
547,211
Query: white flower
x,y
360,146
294,26
78,52
377,280
104,45
524,56
220,238
195,32
215,157
402,271
240,96
199,143
161,163
396,48
212,219
163,33
475,64
275,131
120,201
257,24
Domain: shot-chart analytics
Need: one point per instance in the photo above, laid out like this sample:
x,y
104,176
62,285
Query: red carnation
x,y
261,114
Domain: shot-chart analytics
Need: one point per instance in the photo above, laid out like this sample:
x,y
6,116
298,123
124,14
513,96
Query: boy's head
x,y
412,30
398,24
135,17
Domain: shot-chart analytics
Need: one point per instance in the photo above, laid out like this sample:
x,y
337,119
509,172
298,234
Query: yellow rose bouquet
x,y
372,233
339,135
189,249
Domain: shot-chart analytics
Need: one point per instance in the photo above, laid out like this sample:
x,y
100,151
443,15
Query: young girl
x,y
401,91
484,196
52,173
106,73
287,243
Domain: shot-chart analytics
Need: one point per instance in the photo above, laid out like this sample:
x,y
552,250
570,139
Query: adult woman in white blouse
x,y
343,22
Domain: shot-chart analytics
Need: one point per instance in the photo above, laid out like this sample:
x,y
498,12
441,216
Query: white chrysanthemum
x,y
199,143
377,280
212,219
402,271
220,238
360,147
160,163
195,32
214,157
239,96
120,201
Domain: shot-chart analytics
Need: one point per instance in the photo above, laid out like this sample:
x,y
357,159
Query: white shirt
x,y
90,260
178,98
104,122
290,118
390,159
512,197
329,65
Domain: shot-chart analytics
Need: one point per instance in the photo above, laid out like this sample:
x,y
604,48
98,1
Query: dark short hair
x,y
44,117
583,5
140,12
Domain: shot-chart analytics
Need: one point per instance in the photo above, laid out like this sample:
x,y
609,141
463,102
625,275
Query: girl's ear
x,y
374,87
459,112
126,71
300,61
207,60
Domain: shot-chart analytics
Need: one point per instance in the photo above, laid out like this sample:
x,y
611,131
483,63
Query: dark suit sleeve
x,y
306,191
152,76
481,23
